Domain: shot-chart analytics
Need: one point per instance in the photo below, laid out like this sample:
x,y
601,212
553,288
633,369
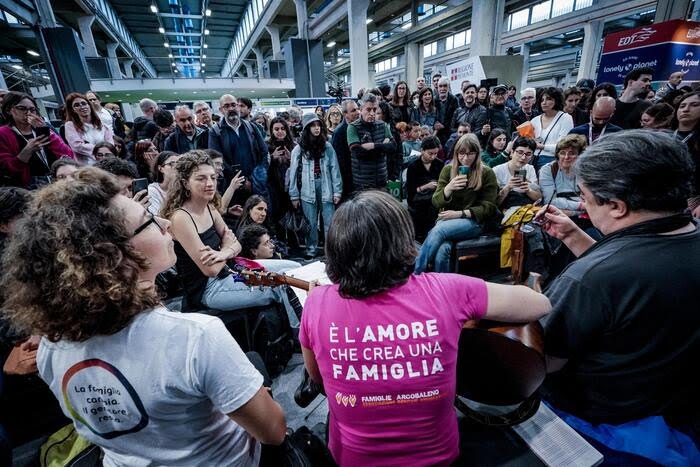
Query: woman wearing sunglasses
x,y
146,385
27,146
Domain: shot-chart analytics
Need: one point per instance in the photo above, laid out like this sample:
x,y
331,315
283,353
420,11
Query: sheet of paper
x,y
310,272
555,442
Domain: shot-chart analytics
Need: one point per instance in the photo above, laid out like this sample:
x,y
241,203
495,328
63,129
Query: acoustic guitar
x,y
502,364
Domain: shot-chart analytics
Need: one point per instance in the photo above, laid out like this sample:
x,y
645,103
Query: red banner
x,y
679,31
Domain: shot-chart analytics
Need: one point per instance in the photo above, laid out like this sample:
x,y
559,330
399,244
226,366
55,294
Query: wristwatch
x,y
464,215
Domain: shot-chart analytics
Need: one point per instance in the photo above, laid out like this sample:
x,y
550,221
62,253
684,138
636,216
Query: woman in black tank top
x,y
204,244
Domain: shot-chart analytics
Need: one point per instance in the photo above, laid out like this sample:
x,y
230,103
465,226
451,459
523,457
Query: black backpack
x,y
272,338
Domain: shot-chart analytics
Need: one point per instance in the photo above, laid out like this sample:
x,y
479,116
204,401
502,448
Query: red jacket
x,y
11,166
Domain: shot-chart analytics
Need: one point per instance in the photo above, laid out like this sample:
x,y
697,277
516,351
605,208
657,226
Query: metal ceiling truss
x,y
110,23
181,47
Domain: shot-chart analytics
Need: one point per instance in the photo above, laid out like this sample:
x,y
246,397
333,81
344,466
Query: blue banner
x,y
664,58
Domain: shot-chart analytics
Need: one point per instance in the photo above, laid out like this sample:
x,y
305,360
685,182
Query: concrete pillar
x,y
113,61
85,26
525,52
487,24
357,28
695,14
274,32
260,62
128,70
248,69
45,12
667,10
592,40
567,79
414,61
302,19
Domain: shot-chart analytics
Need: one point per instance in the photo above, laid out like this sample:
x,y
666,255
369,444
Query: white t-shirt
x,y
106,117
156,196
158,391
503,176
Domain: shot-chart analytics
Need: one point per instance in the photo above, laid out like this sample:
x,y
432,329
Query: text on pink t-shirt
x,y
388,364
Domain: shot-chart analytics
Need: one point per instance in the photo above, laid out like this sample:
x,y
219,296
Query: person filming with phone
x,y
466,197
28,147
623,335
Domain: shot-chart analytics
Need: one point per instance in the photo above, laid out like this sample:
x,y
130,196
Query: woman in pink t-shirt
x,y
383,341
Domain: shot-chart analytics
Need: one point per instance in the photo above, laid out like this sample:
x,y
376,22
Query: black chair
x,y
479,252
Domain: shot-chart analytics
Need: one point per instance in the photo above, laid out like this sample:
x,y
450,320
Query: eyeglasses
x,y
142,227
527,98
568,154
467,154
24,109
520,153
80,104
335,113
171,163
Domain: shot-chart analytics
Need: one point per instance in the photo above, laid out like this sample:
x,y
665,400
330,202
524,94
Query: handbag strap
x,y
561,114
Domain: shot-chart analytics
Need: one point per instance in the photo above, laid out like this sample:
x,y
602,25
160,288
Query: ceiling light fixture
x,y
161,30
204,55
154,8
17,67
31,52
203,65
369,20
206,32
170,55
206,46
207,12
166,44
331,44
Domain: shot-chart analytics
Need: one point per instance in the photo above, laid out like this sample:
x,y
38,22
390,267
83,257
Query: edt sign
x,y
666,47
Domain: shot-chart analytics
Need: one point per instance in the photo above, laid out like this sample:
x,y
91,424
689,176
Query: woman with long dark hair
x,y
495,152
145,156
280,145
602,90
466,198
425,113
687,124
318,185
27,150
401,103
397,334
84,129
146,385
550,126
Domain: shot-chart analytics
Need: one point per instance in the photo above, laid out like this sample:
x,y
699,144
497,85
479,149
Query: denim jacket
x,y
331,183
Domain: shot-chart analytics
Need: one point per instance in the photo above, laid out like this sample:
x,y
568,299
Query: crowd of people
x,y
95,208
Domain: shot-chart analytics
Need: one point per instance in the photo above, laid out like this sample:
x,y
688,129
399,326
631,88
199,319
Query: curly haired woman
x,y
146,385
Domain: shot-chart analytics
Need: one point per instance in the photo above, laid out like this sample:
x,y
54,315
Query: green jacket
x,y
482,203
491,160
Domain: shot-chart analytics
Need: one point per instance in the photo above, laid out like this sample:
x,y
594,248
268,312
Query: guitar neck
x,y
298,283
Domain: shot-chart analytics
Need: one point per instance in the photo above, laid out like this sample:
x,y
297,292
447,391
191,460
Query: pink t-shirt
x,y
388,364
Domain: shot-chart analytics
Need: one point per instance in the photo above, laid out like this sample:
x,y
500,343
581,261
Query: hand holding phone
x,y
42,131
138,184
